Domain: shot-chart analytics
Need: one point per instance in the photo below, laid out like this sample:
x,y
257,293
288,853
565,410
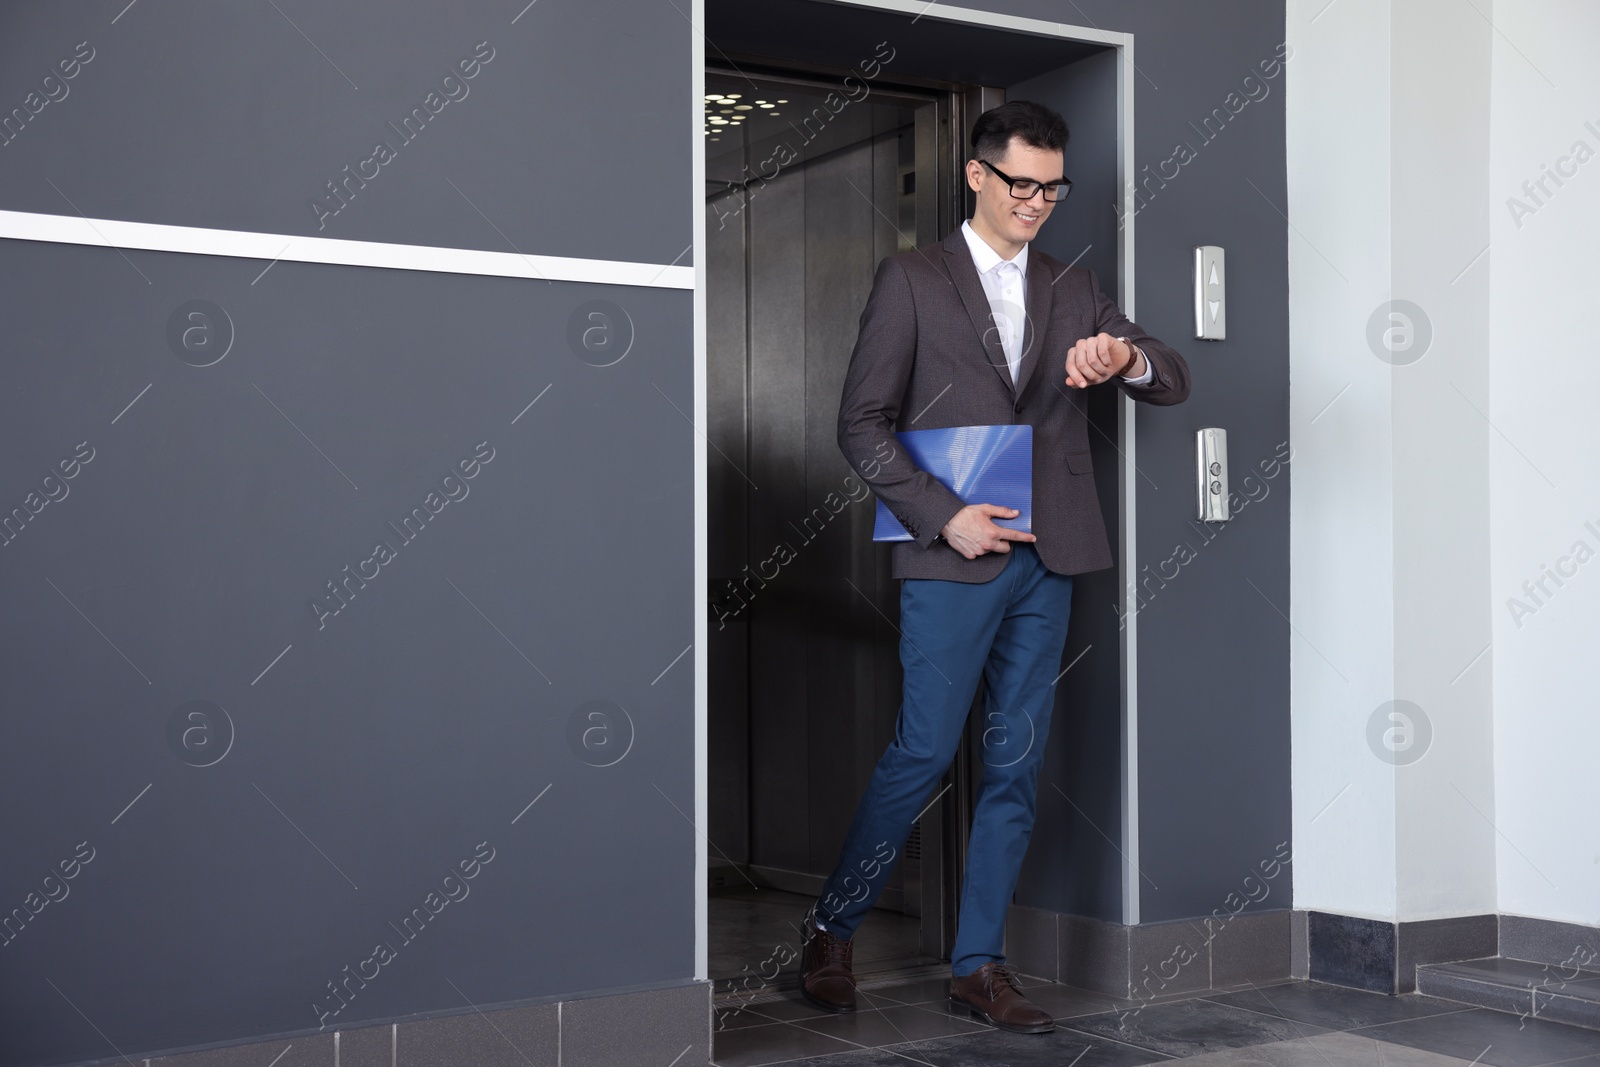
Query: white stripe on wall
x,y
155,237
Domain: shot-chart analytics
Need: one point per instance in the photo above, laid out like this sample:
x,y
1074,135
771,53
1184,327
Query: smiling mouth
x,y
1026,217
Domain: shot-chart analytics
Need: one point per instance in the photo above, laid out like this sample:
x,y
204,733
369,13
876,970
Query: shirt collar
x,y
987,259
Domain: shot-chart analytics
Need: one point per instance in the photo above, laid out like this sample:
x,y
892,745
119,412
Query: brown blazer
x,y
927,357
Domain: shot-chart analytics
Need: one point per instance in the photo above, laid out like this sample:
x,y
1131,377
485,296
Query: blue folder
x,y
979,464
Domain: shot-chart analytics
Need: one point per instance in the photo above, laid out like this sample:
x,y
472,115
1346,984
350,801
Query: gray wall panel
x,y
1214,770
237,116
382,747
1073,864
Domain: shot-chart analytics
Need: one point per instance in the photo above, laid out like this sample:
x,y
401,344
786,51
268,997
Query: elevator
x,y
818,165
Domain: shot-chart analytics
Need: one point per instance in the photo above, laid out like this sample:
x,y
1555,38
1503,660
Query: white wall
x,y
1431,490
1439,231
1388,142
1543,384
1341,510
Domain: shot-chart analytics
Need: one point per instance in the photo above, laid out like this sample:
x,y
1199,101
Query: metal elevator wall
x,y
805,675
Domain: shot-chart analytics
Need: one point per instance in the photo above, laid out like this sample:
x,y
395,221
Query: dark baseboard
x,y
1382,956
1559,944
1153,959
646,1027
1186,956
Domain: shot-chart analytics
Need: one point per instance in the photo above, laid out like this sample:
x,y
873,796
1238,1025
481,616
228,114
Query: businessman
x,y
979,330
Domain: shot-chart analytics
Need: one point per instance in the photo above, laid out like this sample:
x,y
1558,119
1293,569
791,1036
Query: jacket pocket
x,y
1080,463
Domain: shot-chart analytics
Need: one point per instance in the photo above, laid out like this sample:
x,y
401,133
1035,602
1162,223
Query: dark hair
x,y
1035,124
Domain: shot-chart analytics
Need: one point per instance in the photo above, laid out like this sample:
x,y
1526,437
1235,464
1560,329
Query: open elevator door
x,y
809,186
821,641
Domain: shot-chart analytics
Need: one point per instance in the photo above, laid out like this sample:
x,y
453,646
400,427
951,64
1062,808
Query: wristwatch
x,y
1136,354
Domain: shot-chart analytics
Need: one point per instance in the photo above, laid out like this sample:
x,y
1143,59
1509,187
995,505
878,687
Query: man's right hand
x,y
972,532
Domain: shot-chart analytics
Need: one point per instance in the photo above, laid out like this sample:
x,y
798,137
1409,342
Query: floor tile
x,y
998,1049
1057,1049
791,1007
1134,1003
1334,1007
1192,1027
922,991
737,1017
893,1025
1329,1050
1059,1000
1510,1041
755,1045
1065,1002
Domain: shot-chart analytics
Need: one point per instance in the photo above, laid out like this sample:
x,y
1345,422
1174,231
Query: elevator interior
x,y
804,195
807,190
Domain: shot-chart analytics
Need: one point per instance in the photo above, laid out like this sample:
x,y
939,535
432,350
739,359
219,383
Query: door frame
x,y
1127,561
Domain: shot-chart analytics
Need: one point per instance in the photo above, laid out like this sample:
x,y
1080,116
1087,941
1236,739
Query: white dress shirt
x,y
1005,283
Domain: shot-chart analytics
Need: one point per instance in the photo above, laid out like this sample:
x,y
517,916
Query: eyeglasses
x,y
1025,188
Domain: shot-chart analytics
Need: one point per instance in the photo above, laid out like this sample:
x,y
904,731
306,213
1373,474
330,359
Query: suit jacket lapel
x,y
964,273
1041,289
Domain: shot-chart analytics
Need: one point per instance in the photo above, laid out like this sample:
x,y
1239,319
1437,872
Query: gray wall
x,y
294,825
1213,652
238,117
1070,867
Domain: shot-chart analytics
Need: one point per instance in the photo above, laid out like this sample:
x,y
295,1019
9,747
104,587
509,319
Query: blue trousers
x,y
1011,631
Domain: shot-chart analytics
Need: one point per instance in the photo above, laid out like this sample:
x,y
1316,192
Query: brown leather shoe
x,y
991,993
826,978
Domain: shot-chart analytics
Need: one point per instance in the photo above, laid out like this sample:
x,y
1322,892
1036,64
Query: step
x,y
1563,994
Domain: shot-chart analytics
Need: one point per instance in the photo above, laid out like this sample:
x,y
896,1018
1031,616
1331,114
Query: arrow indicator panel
x,y
1210,298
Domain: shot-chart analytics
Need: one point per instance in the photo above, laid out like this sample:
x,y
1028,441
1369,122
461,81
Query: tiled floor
x,y
1287,1024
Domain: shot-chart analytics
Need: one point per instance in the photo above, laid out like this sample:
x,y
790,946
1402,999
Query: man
x,y
976,330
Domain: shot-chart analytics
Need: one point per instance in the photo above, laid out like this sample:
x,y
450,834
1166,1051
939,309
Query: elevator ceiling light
x,y
783,101
731,96
769,105
742,107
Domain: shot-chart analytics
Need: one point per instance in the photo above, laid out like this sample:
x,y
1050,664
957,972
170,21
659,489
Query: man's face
x,y
1015,221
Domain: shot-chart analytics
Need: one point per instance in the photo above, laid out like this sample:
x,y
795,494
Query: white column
x,y
1341,515
1388,140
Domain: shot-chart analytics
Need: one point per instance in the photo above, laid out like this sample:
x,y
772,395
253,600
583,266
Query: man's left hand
x,y
1096,359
